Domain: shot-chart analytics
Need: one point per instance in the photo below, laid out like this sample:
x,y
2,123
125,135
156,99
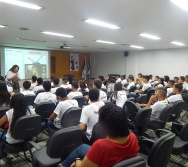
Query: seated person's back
x,y
131,82
4,95
97,85
39,85
55,85
33,82
26,86
65,84
177,88
75,91
170,87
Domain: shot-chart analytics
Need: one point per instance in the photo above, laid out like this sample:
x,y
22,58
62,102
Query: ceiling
x,y
157,17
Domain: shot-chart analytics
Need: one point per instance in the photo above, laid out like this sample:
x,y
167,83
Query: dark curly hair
x,y
113,120
19,104
4,94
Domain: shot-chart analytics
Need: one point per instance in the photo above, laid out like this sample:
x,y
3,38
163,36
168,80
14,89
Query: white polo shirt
x,y
28,92
121,98
36,88
130,84
124,82
53,90
60,110
32,86
118,80
71,95
146,86
102,96
45,97
169,90
174,98
68,86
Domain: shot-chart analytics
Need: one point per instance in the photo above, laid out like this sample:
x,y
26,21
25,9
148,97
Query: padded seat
x,y
179,146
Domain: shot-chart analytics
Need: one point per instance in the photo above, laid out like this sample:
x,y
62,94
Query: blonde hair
x,y
138,81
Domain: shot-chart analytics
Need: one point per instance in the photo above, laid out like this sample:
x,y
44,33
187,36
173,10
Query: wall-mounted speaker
x,y
126,54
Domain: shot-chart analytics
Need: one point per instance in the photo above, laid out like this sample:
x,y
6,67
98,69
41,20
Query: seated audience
x,y
75,91
97,85
33,82
166,79
4,95
176,79
46,96
182,81
170,87
65,84
139,75
155,82
102,79
186,80
82,86
118,79
131,82
39,85
123,80
146,85
150,78
119,145
160,84
138,83
16,87
51,80
158,106
9,88
177,88
55,85
26,86
89,116
119,95
64,104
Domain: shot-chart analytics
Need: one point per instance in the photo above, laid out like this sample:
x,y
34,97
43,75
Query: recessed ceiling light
x,y
135,46
107,42
2,26
58,34
149,36
177,43
101,23
181,3
22,4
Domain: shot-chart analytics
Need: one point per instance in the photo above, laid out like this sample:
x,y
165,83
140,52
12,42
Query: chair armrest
x,y
146,145
161,132
31,144
176,128
87,134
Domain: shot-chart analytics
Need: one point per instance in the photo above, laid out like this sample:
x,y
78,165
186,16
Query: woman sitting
x,y
120,144
4,95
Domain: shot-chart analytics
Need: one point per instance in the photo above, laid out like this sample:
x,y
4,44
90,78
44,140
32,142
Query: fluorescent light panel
x,y
177,43
22,4
106,42
149,36
135,46
102,24
181,3
57,34
2,26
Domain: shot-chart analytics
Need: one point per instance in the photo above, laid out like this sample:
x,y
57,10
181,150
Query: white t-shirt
x,y
28,92
45,97
169,90
53,90
110,87
184,85
9,114
157,108
87,90
103,86
151,80
60,110
165,84
10,74
68,86
155,82
130,84
124,82
32,86
174,98
36,88
9,89
90,116
71,95
146,86
187,86
160,86
118,80
102,96
121,98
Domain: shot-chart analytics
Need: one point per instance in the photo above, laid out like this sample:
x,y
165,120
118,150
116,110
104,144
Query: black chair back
x,y
149,92
45,109
71,117
85,93
39,91
68,90
132,89
132,162
177,109
80,100
184,132
142,99
30,99
126,85
142,120
63,142
161,151
26,127
172,93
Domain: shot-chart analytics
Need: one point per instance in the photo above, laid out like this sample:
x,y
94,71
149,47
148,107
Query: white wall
x,y
172,62
107,63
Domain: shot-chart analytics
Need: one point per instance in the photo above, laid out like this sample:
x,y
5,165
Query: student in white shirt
x,y
18,109
82,86
65,84
166,79
55,85
97,85
156,81
64,104
26,86
183,82
177,88
186,80
102,79
119,95
150,78
170,87
9,88
75,91
131,82
123,80
39,85
138,83
157,107
118,79
46,96
4,95
51,79
33,82
146,85
160,84
13,74
139,75
89,116
176,79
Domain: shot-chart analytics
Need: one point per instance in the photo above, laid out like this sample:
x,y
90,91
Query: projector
x,y
65,47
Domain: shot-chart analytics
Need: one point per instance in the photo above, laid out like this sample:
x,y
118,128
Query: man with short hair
x,y
118,79
65,84
75,91
146,85
46,96
182,81
176,79
39,85
139,75
156,81
177,88
97,85
26,86
55,85
33,82
170,87
131,82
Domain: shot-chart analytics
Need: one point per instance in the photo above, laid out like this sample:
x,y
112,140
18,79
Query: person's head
x,y
112,80
47,86
122,77
145,78
26,85
4,94
157,78
94,95
15,85
171,83
177,88
61,94
139,75
166,78
74,86
2,78
106,82
186,78
97,84
161,93
176,79
15,68
39,81
161,81
117,77
34,70
52,78
113,121
118,87
181,79
130,78
101,78
34,78
82,85
64,80
138,81
150,76
19,105
56,81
